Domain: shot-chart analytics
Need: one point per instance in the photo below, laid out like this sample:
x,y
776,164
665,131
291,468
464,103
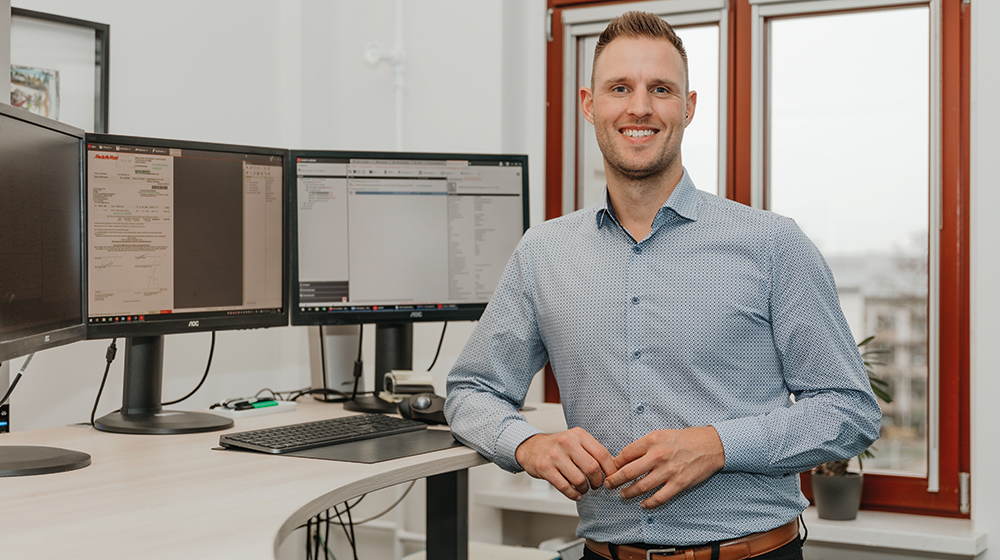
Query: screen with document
x,y
183,236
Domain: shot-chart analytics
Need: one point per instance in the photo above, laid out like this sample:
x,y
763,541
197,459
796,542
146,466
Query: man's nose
x,y
640,105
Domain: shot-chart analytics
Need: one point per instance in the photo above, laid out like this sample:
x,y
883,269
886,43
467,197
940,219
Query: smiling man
x,y
702,357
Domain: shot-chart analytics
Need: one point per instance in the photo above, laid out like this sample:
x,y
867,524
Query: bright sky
x,y
849,108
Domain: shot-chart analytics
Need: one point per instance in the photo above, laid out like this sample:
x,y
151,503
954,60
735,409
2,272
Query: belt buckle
x,y
650,552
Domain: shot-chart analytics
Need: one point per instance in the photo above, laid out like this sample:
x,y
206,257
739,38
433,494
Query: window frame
x,y
741,164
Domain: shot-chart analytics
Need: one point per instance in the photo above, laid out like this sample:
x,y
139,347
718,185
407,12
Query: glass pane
x,y
701,138
848,131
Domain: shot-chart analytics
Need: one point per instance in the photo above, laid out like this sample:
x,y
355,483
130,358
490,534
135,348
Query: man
x,y
678,324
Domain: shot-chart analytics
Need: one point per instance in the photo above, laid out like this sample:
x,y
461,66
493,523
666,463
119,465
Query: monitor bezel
x,y
28,344
206,321
464,312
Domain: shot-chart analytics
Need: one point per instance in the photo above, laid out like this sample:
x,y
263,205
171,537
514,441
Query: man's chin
x,y
640,172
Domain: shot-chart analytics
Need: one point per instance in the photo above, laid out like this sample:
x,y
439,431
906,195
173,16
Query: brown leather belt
x,y
735,549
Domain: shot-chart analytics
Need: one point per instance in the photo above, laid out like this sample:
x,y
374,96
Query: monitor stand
x,y
393,350
25,460
141,411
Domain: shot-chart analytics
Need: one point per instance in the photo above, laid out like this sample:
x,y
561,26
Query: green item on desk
x,y
264,404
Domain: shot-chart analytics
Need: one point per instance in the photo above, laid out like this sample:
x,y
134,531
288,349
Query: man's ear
x,y
587,104
692,102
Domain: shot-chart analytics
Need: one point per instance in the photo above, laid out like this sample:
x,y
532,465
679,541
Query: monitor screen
x,y
183,236
41,251
402,237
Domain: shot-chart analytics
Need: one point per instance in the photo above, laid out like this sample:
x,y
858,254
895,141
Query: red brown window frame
x,y
881,492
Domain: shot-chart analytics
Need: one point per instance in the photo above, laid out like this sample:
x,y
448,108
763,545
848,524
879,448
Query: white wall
x,y
221,71
985,271
291,74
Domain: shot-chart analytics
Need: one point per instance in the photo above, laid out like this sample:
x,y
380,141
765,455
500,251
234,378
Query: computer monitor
x,y
397,238
182,237
41,257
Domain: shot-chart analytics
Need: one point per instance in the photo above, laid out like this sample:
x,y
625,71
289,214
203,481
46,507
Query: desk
x,y
174,497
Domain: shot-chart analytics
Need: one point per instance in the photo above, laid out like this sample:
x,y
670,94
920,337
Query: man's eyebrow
x,y
652,81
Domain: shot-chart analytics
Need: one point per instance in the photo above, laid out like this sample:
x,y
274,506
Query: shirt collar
x,y
683,201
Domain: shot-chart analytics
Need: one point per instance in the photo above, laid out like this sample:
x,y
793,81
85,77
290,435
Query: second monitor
x,y
397,238
183,237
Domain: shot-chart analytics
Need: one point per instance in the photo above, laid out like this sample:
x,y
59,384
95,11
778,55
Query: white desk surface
x,y
173,496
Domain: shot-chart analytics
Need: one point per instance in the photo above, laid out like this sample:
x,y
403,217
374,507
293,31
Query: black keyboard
x,y
296,437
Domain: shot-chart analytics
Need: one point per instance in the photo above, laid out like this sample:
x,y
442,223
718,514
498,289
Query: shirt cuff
x,y
510,438
744,442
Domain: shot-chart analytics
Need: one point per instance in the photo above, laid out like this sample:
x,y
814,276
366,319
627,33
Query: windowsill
x,y
899,532
871,529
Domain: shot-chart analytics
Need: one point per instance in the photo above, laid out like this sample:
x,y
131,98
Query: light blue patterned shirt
x,y
714,318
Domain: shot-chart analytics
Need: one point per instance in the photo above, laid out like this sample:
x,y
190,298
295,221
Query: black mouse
x,y
425,407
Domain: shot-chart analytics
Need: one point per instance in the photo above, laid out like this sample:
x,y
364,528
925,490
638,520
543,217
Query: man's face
x,y
639,106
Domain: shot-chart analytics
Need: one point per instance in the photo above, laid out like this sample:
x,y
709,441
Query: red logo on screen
x,y
99,156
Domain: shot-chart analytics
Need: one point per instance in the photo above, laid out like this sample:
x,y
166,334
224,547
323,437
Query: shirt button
x,y
649,520
640,409
636,354
635,300
636,249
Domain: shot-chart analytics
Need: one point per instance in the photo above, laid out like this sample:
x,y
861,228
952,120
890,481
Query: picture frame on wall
x,y
59,68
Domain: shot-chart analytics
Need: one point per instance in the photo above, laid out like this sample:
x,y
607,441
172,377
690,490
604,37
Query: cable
x,y
20,372
440,343
350,523
322,362
358,364
110,357
388,509
211,351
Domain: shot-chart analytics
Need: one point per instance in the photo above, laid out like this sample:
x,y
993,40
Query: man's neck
x,y
636,202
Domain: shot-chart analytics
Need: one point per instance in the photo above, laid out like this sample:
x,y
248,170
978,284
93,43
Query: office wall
x,y
291,73
985,271
212,71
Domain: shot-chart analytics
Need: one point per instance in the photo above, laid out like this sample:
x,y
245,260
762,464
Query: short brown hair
x,y
640,25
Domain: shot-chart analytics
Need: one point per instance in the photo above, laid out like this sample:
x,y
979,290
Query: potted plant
x,y
836,491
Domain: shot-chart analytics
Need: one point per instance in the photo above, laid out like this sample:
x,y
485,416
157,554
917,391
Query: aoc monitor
x,y
181,237
42,302
397,238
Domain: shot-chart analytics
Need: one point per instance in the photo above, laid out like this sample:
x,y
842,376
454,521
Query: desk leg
x,y
448,516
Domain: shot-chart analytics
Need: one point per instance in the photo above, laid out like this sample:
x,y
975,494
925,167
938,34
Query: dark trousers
x,y
791,551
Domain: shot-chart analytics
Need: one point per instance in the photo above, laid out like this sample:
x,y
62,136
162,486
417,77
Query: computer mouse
x,y
425,407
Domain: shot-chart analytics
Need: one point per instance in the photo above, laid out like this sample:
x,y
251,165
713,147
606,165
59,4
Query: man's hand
x,y
572,461
677,459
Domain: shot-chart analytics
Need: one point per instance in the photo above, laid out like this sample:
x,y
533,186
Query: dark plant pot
x,y
837,497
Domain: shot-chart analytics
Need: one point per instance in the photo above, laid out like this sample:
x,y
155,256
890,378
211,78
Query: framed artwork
x,y
59,68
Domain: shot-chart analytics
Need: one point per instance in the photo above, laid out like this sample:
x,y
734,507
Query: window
x,y
887,206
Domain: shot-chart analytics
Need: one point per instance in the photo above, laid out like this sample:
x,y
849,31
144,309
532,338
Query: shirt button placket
x,y
635,338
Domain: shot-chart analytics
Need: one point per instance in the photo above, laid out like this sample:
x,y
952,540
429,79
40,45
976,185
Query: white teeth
x,y
638,133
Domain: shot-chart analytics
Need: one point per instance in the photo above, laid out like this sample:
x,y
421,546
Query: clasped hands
x,y
574,462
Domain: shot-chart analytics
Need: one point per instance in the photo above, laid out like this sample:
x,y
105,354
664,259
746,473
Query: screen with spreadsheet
x,y
402,237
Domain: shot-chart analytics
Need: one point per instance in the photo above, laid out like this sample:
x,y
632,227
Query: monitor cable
x,y
359,366
17,378
440,343
110,357
211,352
